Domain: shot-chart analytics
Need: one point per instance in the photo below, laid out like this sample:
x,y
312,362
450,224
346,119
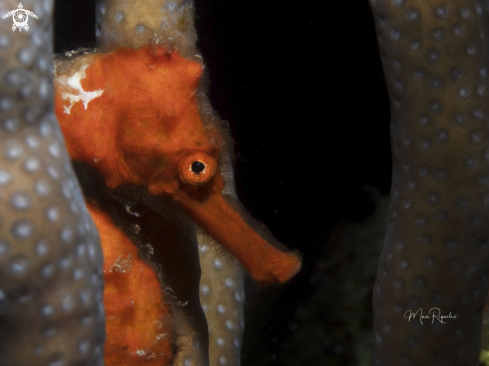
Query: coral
x,y
435,254
50,258
137,23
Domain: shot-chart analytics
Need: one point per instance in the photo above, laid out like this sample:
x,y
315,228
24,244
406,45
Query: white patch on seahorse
x,y
75,82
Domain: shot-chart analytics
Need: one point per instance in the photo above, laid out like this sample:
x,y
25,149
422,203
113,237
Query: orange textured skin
x,y
138,322
139,130
144,122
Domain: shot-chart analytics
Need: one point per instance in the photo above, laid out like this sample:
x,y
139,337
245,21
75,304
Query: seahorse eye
x,y
197,168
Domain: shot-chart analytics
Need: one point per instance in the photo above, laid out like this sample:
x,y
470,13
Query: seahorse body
x,y
140,117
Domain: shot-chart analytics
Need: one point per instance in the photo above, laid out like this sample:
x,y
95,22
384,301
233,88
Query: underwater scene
x,y
194,182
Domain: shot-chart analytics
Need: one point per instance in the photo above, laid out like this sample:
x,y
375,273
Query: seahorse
x,y
139,115
51,309
435,257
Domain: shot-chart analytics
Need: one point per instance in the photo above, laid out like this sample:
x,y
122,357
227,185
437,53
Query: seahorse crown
x,y
21,6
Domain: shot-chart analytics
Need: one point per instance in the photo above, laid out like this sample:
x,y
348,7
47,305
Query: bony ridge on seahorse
x,y
141,118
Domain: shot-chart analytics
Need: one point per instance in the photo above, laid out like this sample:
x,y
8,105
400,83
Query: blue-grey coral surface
x,y
51,309
435,256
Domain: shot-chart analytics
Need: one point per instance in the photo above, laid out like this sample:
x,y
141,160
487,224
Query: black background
x,y
302,88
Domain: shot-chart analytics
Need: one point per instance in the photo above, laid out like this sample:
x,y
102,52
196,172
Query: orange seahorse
x,y
140,117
